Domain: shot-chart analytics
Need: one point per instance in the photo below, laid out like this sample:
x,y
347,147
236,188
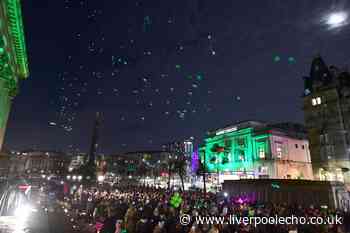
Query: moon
x,y
336,19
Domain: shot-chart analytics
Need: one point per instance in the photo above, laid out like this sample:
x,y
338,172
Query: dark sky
x,y
165,70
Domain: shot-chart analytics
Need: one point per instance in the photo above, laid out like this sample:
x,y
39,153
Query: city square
x,y
177,116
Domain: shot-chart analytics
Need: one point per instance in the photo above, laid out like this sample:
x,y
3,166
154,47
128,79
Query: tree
x,y
202,171
180,166
169,172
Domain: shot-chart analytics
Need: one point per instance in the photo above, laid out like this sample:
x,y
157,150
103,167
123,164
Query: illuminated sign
x,y
226,130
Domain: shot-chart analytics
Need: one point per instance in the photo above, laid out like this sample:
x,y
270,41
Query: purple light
x,y
195,161
245,199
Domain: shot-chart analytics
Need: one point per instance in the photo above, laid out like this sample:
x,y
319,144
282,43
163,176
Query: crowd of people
x,y
153,210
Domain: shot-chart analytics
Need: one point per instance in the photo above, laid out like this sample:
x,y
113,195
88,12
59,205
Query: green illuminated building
x,y
254,149
13,57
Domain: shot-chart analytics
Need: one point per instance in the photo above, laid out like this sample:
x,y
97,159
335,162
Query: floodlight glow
x,y
228,130
22,212
19,231
225,194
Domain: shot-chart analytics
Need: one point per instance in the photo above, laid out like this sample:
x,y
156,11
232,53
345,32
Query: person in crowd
x,y
154,210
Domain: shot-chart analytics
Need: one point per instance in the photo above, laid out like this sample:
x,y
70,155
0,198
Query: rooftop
x,y
15,21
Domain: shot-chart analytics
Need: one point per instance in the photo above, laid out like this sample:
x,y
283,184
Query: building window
x,y
339,175
228,143
330,150
241,142
313,101
242,157
324,139
296,145
279,150
303,147
263,170
261,153
316,101
322,174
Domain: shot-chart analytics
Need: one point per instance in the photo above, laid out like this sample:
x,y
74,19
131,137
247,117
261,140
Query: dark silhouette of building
x,y
327,118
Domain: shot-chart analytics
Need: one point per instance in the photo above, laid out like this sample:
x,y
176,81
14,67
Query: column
x,y
5,103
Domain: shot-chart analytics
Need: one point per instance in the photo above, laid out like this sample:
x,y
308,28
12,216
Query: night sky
x,y
160,71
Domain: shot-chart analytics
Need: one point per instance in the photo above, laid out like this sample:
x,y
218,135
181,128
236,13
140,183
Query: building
x,y
253,149
77,161
36,163
13,58
17,164
182,150
5,163
327,118
149,163
121,164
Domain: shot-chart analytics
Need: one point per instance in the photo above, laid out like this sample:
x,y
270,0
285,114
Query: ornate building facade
x,y
13,57
327,117
254,149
